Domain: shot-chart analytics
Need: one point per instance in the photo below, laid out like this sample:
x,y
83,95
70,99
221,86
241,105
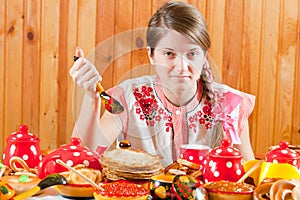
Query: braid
x,y
207,79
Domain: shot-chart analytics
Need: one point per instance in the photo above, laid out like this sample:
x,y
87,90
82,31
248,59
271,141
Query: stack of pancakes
x,y
129,164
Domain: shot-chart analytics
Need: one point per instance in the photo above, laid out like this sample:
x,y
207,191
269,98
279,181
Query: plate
x,y
75,191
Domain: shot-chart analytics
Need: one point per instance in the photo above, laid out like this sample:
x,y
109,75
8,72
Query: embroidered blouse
x,y
151,123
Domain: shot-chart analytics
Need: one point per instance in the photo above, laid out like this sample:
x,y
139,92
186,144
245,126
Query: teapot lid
x,y
22,135
283,151
225,150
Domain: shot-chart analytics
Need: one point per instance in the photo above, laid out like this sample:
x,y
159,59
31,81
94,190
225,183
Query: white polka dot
x,y
19,135
204,162
275,161
191,158
33,150
76,154
284,151
73,147
293,154
219,150
229,164
86,163
89,153
12,149
238,171
25,157
181,155
69,163
211,163
295,162
201,157
230,150
40,157
3,156
216,174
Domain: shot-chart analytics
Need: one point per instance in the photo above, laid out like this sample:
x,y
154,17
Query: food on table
x,y
6,191
277,189
21,183
122,190
218,190
184,167
130,164
20,179
48,181
73,178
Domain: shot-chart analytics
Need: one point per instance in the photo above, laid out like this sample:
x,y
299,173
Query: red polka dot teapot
x,y
223,163
23,145
71,154
283,154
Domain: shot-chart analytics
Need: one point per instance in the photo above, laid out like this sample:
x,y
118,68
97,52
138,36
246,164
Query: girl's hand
x,y
85,73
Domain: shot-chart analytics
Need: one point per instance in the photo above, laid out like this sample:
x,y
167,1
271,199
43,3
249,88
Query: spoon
x,y
252,169
111,104
50,180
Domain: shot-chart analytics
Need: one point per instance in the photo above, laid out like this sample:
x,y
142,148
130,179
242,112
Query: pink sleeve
x,y
224,112
246,108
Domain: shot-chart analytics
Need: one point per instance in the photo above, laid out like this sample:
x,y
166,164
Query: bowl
x,y
75,190
121,190
224,190
20,184
161,187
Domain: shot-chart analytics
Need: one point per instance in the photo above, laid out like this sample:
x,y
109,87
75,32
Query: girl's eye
x,y
192,54
169,54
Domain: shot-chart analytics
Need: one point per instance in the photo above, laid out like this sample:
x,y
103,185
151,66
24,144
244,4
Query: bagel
x,y
281,185
262,190
283,194
296,192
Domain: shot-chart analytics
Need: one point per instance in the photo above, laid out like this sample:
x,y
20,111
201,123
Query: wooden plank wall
x,y
255,44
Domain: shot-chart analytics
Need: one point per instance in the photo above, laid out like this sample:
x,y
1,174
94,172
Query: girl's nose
x,y
181,64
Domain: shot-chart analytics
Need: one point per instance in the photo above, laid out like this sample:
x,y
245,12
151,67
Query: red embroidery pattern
x,y
147,107
203,116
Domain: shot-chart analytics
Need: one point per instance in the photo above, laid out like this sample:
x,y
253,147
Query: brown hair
x,y
188,21
181,17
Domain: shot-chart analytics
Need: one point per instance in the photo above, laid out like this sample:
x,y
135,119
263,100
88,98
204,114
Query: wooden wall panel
x,y
2,72
285,73
49,74
255,45
13,65
296,106
31,65
251,65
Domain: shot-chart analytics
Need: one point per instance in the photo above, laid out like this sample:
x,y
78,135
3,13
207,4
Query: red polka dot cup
x,y
195,153
72,154
23,145
283,154
223,163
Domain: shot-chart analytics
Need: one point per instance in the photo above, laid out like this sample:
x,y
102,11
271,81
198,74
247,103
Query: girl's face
x,y
178,62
